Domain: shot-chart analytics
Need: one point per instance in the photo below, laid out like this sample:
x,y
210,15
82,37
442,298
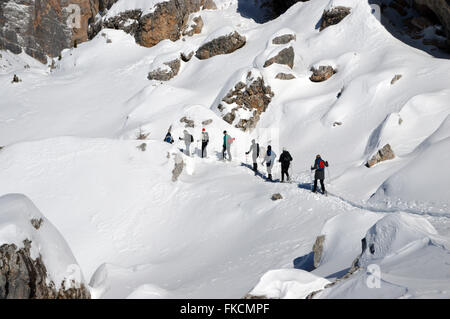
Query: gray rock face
x,y
285,56
41,28
22,277
207,122
222,45
284,39
318,250
384,154
322,73
195,28
334,16
285,76
166,74
254,97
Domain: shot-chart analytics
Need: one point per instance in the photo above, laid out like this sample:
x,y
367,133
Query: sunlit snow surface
x,y
70,146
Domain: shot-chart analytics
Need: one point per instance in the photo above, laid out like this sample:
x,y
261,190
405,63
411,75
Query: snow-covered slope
x,y
70,145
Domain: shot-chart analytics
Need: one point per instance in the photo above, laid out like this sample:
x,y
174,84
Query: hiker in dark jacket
x,y
168,138
285,160
319,167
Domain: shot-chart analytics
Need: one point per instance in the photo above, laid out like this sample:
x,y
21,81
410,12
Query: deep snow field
x,y
69,137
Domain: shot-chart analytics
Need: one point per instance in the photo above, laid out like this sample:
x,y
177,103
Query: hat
x,y
224,132
203,129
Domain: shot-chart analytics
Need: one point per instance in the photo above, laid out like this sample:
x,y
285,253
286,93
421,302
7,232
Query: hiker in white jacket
x,y
269,159
254,149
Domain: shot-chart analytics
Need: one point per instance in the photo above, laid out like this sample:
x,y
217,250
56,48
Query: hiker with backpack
x,y
319,167
227,140
188,139
205,141
168,138
285,160
254,148
269,159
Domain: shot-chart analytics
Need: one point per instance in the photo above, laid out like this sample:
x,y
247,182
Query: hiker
x,y
254,148
205,141
269,159
319,167
168,138
285,160
188,139
227,140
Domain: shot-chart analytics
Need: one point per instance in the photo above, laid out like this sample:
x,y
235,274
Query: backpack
x,y
320,165
229,140
257,149
192,138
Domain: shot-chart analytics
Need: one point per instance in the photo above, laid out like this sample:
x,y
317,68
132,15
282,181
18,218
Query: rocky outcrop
x,y
167,72
285,76
222,45
285,56
322,73
333,16
284,39
44,28
169,20
384,154
24,277
251,98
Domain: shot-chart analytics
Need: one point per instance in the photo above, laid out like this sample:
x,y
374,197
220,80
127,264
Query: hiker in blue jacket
x,y
319,167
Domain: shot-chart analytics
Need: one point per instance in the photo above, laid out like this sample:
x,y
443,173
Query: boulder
x,y
334,16
178,168
285,76
318,250
222,45
167,72
396,78
284,39
188,122
276,196
322,73
285,56
384,154
35,260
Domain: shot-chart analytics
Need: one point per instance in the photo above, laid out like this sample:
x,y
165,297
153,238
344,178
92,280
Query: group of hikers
x,y
269,159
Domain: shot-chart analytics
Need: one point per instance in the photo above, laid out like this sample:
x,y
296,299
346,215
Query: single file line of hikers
x,y
269,157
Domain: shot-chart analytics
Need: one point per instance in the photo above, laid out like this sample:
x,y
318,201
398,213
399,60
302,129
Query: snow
x,y
69,138
146,6
16,214
288,284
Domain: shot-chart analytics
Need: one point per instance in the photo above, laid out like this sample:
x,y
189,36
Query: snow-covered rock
x,y
35,260
287,284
